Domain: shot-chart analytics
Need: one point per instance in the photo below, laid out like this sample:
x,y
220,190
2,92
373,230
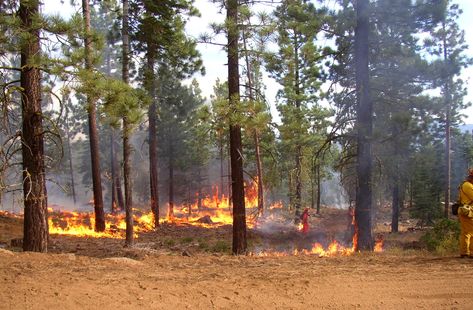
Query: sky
x,y
214,57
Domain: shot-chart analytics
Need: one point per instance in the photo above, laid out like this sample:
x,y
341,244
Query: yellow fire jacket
x,y
466,193
466,199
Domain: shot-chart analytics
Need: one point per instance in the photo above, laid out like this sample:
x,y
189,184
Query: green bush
x,y
221,246
186,240
443,237
204,246
169,242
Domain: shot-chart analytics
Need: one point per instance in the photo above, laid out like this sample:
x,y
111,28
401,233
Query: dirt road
x,y
205,281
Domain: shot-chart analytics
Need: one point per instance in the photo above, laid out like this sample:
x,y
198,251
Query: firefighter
x,y
305,221
465,216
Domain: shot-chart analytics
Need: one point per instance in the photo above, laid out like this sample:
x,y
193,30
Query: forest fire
x,y
81,224
211,212
333,249
215,210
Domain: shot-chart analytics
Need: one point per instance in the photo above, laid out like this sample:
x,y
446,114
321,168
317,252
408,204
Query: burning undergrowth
x,y
280,237
273,234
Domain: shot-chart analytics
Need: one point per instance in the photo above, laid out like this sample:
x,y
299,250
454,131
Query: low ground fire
x,y
213,212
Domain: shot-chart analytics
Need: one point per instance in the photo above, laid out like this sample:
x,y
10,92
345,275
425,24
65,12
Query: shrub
x,y
169,242
443,237
186,240
221,246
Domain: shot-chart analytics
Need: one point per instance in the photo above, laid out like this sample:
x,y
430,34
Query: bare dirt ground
x,y
189,267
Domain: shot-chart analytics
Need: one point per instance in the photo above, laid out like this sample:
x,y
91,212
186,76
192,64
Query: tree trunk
x,y
126,135
114,206
318,180
298,181
290,189
153,140
364,126
118,184
71,167
189,201
298,160
448,161
229,182
312,186
171,182
259,173
94,137
128,182
199,191
396,203
222,170
35,229
238,192
117,194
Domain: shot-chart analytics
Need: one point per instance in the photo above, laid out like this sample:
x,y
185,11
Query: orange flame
x,y
216,208
82,224
214,211
379,243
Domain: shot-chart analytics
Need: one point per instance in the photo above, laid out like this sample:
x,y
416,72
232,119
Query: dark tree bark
x,y
153,140
312,185
71,166
365,128
396,204
35,230
117,193
171,181
94,137
396,181
259,174
126,134
229,181
238,192
128,182
290,192
298,159
448,161
199,191
114,203
318,180
222,170
298,189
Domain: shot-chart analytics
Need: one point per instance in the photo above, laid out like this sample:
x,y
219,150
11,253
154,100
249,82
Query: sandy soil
x,y
81,273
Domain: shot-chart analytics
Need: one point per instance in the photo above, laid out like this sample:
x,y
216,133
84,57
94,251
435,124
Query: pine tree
x,y
171,48
34,179
178,106
297,67
364,128
104,20
126,123
255,35
239,244
447,43
93,134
